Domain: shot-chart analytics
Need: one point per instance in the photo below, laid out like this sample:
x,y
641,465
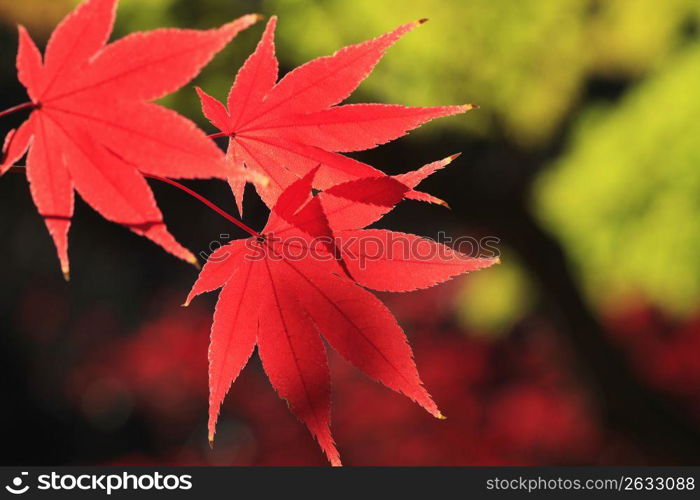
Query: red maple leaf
x,y
93,129
286,287
284,129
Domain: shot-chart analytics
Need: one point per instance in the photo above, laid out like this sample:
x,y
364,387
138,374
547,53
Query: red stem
x,y
208,203
19,107
187,190
217,135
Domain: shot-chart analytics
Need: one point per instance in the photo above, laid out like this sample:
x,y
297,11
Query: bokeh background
x,y
583,347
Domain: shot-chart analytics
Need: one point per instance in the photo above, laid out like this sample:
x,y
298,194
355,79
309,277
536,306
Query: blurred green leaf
x,y
625,197
489,304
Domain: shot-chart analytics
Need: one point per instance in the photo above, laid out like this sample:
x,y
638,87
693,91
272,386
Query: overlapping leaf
x,y
93,130
284,129
307,276
288,288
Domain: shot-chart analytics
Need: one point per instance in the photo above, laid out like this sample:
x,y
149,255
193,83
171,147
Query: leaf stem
x,y
208,203
217,135
215,208
19,107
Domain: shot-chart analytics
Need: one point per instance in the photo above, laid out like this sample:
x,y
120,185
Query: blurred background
x,y
583,347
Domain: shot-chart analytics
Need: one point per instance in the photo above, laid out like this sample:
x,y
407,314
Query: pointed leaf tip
x,y
423,21
211,441
440,416
453,157
66,273
469,107
246,20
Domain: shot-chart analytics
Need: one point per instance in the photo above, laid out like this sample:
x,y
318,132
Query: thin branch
x,y
217,135
19,107
208,203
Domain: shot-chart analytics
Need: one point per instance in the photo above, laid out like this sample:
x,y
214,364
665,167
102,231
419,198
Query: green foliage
x,y
632,38
625,197
491,303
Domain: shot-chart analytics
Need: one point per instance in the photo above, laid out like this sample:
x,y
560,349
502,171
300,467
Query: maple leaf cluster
x,y
308,274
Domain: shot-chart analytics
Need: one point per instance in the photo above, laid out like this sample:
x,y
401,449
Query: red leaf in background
x,y
285,129
91,100
285,289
